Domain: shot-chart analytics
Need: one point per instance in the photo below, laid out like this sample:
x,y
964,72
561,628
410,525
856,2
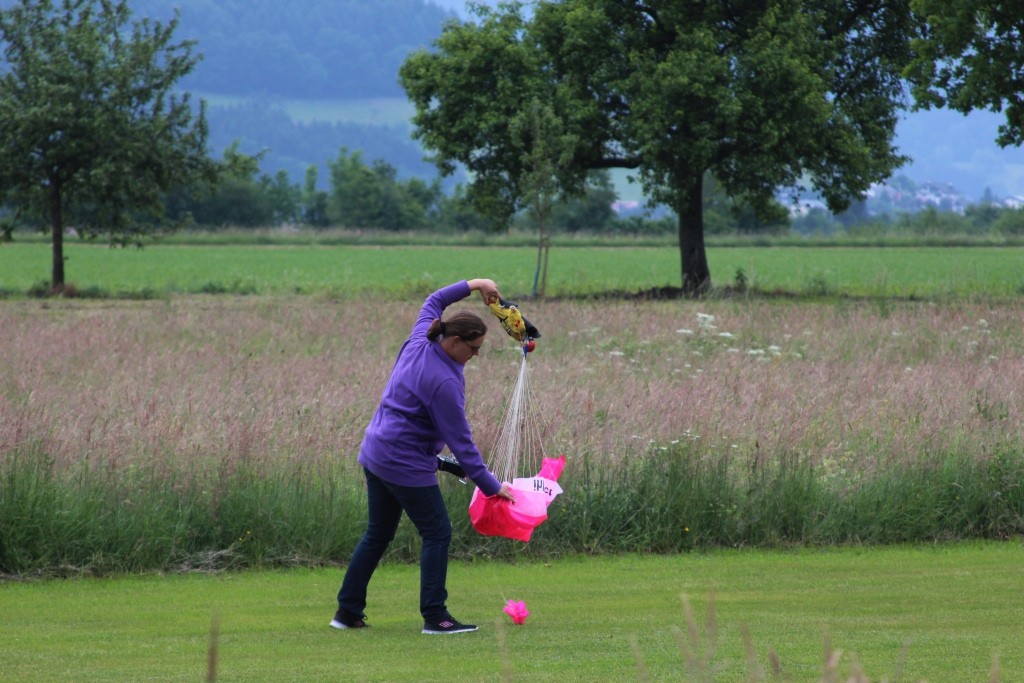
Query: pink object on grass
x,y
516,609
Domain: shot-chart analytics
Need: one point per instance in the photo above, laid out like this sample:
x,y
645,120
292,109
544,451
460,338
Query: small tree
x,y
364,196
92,134
314,201
546,149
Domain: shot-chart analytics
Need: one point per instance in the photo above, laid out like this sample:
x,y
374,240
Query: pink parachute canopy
x,y
494,516
516,610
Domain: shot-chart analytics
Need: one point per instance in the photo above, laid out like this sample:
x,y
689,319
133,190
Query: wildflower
x,y
726,335
706,321
684,330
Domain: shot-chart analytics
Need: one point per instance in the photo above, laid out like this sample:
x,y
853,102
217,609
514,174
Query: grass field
x,y
941,614
346,271
926,374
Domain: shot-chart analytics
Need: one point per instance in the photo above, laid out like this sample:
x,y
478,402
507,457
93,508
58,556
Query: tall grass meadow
x,y
221,432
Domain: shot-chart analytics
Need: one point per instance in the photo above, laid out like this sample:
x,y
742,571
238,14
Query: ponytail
x,y
466,325
437,329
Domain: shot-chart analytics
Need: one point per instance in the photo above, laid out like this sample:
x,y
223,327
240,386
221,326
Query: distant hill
x,y
263,59
312,49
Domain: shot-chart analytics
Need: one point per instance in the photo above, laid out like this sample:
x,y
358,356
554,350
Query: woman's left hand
x,y
506,494
488,289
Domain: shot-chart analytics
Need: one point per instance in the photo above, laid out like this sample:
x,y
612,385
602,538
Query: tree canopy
x,y
93,134
970,55
756,95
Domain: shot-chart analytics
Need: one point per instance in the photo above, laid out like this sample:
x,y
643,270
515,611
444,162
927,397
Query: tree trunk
x,y
57,235
540,275
693,257
544,268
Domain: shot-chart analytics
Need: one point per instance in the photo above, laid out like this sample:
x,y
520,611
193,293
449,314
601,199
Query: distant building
x,y
1014,201
942,196
802,207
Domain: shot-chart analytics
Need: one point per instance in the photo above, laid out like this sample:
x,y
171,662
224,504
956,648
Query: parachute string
x,y
532,428
518,434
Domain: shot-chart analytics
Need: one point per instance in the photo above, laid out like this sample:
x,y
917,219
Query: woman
x,y
422,409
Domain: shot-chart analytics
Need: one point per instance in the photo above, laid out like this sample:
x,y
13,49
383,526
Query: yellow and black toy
x,y
518,327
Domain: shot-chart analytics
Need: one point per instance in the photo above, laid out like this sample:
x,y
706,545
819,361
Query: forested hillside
x,y
259,55
312,49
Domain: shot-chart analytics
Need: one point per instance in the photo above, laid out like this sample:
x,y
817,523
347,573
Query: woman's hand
x,y
506,494
488,289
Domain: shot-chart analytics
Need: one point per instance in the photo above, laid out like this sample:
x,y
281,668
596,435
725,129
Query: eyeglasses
x,y
474,348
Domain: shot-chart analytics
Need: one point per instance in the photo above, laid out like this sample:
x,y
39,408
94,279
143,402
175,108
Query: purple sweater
x,y
423,408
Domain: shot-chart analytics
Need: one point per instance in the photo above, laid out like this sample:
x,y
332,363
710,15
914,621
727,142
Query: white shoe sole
x,y
337,624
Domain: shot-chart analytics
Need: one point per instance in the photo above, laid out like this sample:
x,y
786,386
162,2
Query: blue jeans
x,y
385,503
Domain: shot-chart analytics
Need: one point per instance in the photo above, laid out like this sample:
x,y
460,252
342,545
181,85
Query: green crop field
x,y
904,272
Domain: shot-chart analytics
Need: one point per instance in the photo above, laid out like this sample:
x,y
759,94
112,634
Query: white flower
x,y
684,330
726,335
616,353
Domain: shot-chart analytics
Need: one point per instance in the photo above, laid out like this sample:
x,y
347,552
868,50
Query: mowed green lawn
x,y
937,613
923,272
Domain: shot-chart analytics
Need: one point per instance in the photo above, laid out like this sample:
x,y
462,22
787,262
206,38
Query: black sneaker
x,y
447,624
344,620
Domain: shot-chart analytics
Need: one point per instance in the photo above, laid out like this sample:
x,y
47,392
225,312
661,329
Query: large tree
x,y
970,55
759,95
93,134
